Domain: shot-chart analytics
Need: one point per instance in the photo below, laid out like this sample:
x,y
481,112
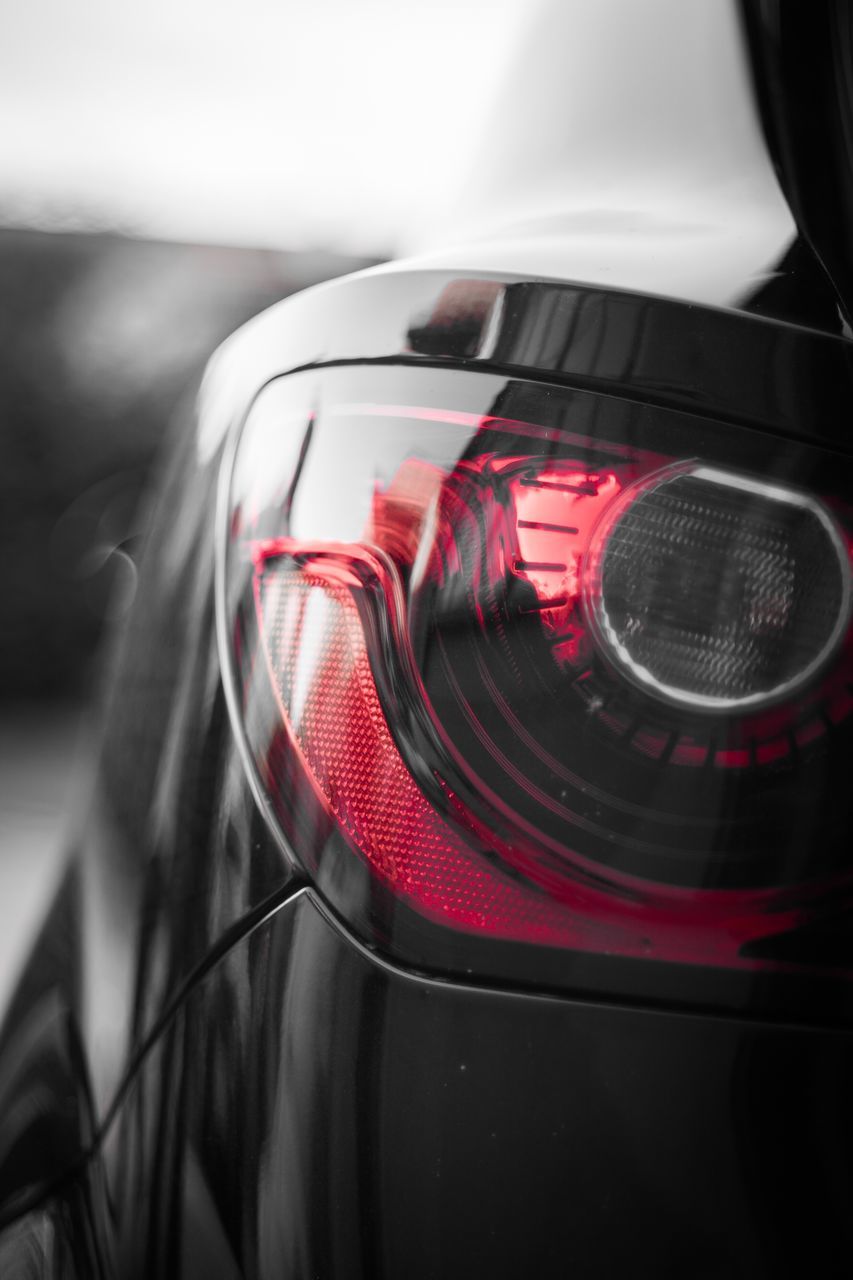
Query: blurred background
x,y
166,171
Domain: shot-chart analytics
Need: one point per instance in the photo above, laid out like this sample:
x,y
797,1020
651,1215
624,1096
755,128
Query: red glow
x,y
516,530
651,744
688,751
347,751
769,752
554,511
398,512
733,759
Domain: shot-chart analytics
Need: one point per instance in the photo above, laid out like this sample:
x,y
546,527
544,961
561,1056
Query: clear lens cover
x,y
542,667
717,590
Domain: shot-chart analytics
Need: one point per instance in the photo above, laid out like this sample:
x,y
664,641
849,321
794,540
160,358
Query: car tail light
x,y
523,672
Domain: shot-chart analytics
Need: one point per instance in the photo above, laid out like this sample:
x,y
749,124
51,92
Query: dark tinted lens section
x,y
720,592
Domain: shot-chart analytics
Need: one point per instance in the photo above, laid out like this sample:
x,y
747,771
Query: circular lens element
x,y
715,590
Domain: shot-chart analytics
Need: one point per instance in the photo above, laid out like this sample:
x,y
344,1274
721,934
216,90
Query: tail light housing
x,y
543,684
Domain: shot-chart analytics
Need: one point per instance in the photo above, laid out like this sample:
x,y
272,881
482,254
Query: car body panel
x,y
239,1069
312,1110
178,851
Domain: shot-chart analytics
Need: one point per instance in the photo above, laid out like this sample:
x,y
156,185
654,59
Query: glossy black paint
x,y
312,1111
46,1114
284,1103
803,61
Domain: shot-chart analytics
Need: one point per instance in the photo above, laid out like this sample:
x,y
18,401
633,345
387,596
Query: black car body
x,y
239,1049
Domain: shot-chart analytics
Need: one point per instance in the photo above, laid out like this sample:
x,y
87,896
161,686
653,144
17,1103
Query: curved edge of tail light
x,y
541,685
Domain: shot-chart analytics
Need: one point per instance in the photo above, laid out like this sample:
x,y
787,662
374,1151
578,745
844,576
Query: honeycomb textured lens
x,y
716,590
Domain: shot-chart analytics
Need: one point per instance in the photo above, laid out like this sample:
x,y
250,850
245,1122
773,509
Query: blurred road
x,y
44,760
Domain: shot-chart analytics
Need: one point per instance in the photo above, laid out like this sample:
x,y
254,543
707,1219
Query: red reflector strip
x,y
349,754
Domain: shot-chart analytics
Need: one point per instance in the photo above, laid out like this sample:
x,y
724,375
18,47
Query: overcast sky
x,y
331,123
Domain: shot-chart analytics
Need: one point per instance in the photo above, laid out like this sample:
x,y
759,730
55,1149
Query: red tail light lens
x,y
518,665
